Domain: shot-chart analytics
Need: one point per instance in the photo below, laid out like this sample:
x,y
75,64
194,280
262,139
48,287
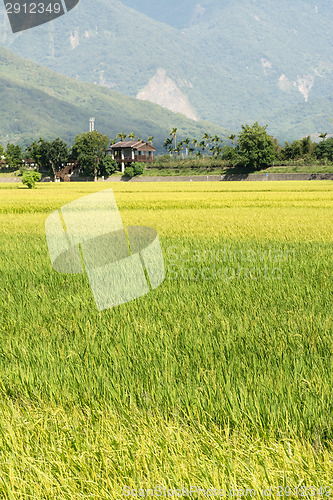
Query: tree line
x,y
89,151
252,148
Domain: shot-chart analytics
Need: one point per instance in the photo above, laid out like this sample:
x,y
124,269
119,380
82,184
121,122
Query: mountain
x,y
229,62
179,14
37,102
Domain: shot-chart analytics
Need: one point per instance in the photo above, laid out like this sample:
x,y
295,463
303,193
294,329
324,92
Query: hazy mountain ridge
x,y
179,14
36,102
236,62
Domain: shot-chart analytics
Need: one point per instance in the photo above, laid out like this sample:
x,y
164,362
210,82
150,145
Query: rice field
x,y
219,379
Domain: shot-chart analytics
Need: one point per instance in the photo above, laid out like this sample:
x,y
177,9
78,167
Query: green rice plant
x,y
221,377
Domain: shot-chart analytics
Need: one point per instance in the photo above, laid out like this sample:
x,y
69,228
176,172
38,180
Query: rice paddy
x,y
219,378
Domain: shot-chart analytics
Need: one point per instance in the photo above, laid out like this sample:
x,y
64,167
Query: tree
x,y
173,132
298,149
195,143
30,177
168,145
107,166
231,154
277,149
121,135
186,142
306,146
178,149
216,150
206,137
323,135
324,150
202,145
2,155
171,150
256,147
53,154
292,151
34,152
89,149
13,156
150,140
232,138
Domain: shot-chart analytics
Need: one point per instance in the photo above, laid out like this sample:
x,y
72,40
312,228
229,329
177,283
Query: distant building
x,y
127,152
71,168
29,163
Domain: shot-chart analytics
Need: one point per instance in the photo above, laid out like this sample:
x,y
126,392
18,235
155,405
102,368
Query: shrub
x,y
133,170
107,166
21,171
29,178
129,172
162,159
138,168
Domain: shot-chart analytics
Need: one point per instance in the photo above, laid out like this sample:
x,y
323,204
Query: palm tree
x,y
171,150
150,140
323,135
232,138
195,143
178,148
187,142
132,136
202,145
218,151
213,149
121,135
218,143
173,132
167,143
207,137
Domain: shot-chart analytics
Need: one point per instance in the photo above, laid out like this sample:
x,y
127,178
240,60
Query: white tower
x,y
91,124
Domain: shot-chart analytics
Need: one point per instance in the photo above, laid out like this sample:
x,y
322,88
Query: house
x,y
29,163
127,152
